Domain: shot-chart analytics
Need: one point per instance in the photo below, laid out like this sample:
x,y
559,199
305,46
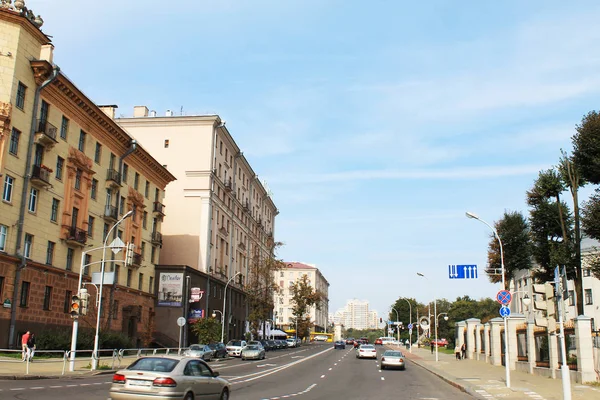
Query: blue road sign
x,y
504,297
504,311
410,326
462,271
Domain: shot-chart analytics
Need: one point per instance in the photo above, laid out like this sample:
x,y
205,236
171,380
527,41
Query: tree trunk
x,y
578,268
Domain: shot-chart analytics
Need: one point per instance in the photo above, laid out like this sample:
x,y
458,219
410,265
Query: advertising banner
x,y
170,289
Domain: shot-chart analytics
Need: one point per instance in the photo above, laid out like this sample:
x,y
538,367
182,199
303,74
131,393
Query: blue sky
x,y
376,124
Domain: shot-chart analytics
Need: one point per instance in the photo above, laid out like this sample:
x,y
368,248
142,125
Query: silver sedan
x,y
168,377
253,352
366,351
392,359
201,351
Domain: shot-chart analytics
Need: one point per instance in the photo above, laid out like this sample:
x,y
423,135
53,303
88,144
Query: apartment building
x,y
221,216
287,276
357,315
68,174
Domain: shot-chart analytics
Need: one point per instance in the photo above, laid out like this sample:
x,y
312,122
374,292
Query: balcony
x,y
246,205
40,176
157,238
45,133
76,236
158,209
113,178
229,185
111,213
136,260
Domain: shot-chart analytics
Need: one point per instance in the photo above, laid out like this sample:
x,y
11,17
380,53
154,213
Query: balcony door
x,y
44,113
39,155
74,217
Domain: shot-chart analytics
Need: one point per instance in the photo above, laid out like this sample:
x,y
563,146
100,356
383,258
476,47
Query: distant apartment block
x,y
356,315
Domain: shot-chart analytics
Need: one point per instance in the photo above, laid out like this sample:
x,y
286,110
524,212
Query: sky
x,y
376,125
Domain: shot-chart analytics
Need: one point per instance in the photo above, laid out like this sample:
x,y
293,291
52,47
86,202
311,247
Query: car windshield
x,y
252,347
367,347
392,354
154,364
197,347
234,343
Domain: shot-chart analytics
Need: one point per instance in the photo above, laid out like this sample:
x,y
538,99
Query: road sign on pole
x,y
410,326
504,311
504,297
462,271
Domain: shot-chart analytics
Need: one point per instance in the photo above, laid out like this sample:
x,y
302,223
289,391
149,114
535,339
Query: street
x,y
313,371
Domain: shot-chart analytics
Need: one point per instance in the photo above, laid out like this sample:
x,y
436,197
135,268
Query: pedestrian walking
x,y
463,350
457,351
31,346
24,348
431,345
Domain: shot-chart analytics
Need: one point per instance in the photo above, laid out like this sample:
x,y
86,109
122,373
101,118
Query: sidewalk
x,y
485,381
11,369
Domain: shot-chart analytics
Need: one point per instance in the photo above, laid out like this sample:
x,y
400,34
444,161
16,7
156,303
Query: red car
x,y
379,341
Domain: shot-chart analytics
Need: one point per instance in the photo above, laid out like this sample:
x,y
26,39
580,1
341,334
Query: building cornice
x,y
21,20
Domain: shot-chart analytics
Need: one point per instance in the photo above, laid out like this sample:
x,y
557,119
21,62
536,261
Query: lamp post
x,y
96,337
410,322
397,325
434,313
224,303
506,355
436,331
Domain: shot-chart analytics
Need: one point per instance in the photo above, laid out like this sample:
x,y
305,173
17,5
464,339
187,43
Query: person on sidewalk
x,y
463,350
25,349
431,345
457,351
31,346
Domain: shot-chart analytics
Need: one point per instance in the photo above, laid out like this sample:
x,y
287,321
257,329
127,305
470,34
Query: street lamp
x,y
397,325
96,338
410,322
224,303
436,331
506,355
434,313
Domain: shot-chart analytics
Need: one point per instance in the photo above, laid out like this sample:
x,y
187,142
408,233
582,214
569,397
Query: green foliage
x,y
586,147
207,330
60,339
590,216
303,298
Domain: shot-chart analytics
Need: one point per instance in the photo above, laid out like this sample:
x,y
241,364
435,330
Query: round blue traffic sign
x,y
504,297
410,326
504,311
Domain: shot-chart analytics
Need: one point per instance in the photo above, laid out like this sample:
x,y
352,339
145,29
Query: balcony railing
x,y
246,205
159,208
113,177
229,185
136,259
40,175
157,238
111,212
75,234
45,133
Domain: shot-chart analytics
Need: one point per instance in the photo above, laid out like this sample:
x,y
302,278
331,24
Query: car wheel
x,y
189,396
224,395
382,367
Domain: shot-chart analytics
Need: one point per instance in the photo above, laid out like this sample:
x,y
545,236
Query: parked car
x,y
392,359
366,351
234,347
201,351
320,338
255,343
291,342
340,344
440,342
253,352
168,377
219,350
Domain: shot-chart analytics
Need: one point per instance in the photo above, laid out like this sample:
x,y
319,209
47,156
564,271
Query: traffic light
x,y
129,254
544,302
380,320
83,301
75,306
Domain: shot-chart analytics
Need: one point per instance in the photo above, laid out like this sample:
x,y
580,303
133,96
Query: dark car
x,y
340,344
219,350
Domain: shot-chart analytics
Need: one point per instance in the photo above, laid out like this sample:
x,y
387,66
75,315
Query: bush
x,y
61,340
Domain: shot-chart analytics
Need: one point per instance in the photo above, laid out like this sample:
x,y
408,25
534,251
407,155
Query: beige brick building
x,y
68,173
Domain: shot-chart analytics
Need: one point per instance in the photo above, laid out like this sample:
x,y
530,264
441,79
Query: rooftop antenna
x,y
181,111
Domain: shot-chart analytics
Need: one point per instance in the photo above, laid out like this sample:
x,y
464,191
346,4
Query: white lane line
x,y
100,383
334,364
382,378
72,385
322,376
17,389
330,369
37,388
55,387
85,384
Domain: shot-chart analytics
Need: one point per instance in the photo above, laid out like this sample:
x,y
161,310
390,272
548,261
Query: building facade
x,y
68,174
357,315
287,276
221,216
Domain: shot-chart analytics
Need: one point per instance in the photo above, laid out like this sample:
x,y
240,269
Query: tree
x,y
207,330
586,147
513,230
304,296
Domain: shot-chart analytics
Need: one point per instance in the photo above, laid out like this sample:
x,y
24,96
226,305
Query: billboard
x,y
170,289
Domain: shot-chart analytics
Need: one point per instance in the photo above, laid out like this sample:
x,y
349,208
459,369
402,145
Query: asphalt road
x,y
315,371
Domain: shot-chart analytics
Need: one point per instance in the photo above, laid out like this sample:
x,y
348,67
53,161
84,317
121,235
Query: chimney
x,y
169,113
109,110
47,53
140,111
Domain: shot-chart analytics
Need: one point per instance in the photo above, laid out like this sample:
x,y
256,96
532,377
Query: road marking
x,y
72,385
37,388
55,387
330,369
382,378
85,384
17,389
266,365
322,376
334,364
308,389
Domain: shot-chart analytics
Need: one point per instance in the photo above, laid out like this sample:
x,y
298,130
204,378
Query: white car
x,y
292,342
320,338
366,351
234,347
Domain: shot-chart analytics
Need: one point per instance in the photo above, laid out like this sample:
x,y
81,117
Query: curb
x,y
463,388
39,377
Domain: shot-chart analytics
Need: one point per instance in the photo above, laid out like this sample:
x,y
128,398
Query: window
x,y
70,256
90,230
64,127
82,136
28,245
1,286
24,299
156,194
98,153
151,284
60,162
67,304
143,249
54,210
145,220
3,234
78,179
136,181
152,254
86,265
140,281
94,189
33,198
13,147
571,297
104,232
117,270
9,182
47,297
588,297
50,252
125,173
587,272
129,273
147,190
121,205
166,143
20,101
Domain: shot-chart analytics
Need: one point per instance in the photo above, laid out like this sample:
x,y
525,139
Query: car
x,y
379,341
201,351
234,347
255,342
365,340
440,342
292,342
253,352
366,351
350,341
219,350
340,344
168,377
392,359
320,338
